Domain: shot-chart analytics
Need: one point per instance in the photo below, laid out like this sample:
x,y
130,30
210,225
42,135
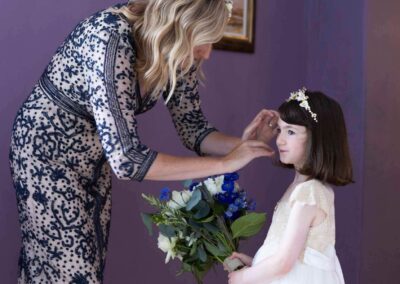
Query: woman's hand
x,y
262,127
244,153
247,260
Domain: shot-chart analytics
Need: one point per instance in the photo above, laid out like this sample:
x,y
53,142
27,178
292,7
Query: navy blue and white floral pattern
x,y
76,127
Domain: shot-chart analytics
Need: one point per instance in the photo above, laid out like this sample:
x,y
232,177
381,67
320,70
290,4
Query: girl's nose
x,y
280,140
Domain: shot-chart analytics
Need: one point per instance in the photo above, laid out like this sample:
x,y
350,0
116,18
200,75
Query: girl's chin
x,y
283,160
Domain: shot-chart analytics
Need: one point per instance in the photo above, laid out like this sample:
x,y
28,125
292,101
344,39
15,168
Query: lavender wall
x,y
335,65
305,42
381,231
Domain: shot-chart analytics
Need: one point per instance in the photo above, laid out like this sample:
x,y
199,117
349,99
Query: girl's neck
x,y
299,178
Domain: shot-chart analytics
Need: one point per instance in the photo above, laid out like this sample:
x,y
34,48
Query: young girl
x,y
300,245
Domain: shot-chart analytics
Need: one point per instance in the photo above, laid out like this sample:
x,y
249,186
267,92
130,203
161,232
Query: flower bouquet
x,y
203,224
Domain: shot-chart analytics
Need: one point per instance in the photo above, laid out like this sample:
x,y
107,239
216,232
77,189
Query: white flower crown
x,y
301,97
229,6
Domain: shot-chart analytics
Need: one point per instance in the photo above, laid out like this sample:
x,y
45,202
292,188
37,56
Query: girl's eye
x,y
278,130
291,132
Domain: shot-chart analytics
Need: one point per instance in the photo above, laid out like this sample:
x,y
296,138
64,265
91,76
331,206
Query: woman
x,y
79,123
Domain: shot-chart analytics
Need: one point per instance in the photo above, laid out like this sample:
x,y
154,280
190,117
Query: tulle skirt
x,y
317,268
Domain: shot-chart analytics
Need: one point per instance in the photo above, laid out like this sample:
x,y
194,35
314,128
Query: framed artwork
x,y
239,34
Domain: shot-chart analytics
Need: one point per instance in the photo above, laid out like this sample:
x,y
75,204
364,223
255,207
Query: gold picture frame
x,y
239,34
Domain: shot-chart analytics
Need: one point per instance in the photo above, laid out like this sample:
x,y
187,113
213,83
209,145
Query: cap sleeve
x,y
311,193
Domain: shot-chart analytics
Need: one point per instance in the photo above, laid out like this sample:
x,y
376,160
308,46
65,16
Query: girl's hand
x,y
237,277
247,260
262,127
244,153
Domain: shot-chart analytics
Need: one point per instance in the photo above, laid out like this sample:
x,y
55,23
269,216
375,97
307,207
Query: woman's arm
x,y
219,144
292,244
166,167
261,129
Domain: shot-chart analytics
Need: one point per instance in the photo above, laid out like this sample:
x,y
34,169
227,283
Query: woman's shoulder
x,y
109,20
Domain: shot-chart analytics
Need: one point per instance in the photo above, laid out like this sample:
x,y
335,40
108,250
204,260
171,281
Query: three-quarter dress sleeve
x,y
113,99
186,113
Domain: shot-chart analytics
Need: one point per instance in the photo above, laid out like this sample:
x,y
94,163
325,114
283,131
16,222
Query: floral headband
x,y
229,6
301,97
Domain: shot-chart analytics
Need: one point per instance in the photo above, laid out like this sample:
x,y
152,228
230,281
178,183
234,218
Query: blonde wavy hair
x,y
166,32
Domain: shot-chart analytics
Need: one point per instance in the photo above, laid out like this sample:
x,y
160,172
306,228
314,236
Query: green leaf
x,y
186,267
148,222
193,250
211,228
248,225
214,250
187,183
208,220
207,195
218,209
201,253
202,210
195,226
167,231
194,200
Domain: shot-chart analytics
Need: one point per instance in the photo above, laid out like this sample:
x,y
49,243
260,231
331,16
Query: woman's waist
x,y
61,99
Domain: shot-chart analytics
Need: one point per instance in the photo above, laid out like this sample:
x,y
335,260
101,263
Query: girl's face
x,y
292,143
202,52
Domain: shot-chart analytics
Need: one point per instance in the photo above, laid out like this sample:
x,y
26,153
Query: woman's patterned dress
x,y
77,125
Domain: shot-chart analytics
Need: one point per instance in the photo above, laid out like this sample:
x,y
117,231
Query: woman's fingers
x,y
273,121
245,152
267,114
262,126
258,148
250,131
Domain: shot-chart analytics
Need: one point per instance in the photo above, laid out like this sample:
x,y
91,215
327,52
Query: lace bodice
x,y
312,192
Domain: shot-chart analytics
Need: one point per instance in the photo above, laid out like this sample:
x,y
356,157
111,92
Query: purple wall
x,y
335,65
311,43
381,231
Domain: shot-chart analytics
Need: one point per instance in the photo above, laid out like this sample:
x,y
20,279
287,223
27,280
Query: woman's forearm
x,y
167,167
219,144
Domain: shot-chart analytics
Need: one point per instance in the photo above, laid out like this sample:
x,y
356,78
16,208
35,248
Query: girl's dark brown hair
x,y
328,156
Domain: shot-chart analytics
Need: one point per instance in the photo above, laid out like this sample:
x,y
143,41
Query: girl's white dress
x,y
318,263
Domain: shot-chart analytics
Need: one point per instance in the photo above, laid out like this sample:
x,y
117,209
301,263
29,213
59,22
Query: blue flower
x,y
165,194
232,216
240,202
231,177
228,186
226,197
233,208
252,205
193,185
228,214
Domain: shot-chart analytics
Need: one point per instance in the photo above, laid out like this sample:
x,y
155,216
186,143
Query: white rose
x,y
190,239
219,181
167,245
214,186
179,199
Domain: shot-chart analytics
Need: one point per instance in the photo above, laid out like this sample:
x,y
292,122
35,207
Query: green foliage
x,y
198,231
194,200
248,225
146,218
